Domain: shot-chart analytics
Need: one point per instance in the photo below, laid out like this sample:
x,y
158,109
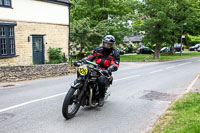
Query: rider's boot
x,y
101,102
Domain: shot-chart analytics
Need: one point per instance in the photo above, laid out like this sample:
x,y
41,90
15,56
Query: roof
x,y
137,38
64,2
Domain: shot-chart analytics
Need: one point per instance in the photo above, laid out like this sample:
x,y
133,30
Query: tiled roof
x,y
137,38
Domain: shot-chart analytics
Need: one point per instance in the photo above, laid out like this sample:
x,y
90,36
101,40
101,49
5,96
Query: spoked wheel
x,y
71,104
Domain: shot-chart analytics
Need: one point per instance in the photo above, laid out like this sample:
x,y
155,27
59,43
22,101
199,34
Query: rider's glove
x,y
77,63
112,68
106,72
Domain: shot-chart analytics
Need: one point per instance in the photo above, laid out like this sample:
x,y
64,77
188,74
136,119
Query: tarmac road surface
x,y
140,93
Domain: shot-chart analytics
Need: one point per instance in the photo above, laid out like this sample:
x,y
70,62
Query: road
x,y
176,52
141,92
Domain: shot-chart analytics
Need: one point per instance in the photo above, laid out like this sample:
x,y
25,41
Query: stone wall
x,y
20,73
55,36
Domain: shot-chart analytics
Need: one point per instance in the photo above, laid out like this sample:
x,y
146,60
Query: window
x,y
7,41
3,46
2,31
5,3
12,46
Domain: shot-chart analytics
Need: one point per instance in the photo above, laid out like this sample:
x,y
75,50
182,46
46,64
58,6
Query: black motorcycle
x,y
84,91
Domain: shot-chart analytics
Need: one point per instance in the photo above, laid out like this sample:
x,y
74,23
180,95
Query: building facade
x,y
28,28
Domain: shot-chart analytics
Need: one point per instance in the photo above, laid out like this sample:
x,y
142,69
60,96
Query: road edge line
x,y
188,89
192,84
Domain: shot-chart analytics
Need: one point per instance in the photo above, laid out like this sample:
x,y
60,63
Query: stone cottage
x,y
134,39
29,27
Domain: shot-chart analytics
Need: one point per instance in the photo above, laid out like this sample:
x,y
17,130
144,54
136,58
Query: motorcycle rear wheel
x,y
70,104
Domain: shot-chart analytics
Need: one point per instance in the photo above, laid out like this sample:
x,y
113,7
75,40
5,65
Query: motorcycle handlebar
x,y
88,62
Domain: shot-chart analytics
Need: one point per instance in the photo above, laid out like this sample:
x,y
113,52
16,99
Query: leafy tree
x,y
163,20
85,36
93,19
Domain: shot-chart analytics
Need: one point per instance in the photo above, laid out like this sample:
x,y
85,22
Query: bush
x,y
129,48
56,56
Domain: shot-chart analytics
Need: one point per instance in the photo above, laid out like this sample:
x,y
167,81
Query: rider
x,y
108,58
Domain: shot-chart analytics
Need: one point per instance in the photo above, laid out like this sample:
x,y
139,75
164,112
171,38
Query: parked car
x,y
122,52
194,48
165,50
198,49
178,47
144,50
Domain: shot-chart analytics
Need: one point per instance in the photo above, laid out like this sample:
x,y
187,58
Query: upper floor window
x,y
5,3
7,41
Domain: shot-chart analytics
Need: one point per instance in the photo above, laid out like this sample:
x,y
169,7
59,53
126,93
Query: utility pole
x,y
182,39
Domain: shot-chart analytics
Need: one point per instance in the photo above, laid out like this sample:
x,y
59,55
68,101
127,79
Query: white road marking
x,y
29,102
156,71
127,78
179,65
183,59
170,67
184,64
49,97
53,96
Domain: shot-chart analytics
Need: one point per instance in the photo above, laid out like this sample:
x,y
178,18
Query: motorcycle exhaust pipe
x,y
90,99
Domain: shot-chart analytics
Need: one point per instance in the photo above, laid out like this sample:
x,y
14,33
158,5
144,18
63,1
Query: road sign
x,y
183,36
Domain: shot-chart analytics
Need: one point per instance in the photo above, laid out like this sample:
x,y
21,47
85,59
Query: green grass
x,y
149,58
182,117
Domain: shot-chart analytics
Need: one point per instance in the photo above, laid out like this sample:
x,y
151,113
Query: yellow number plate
x,y
83,71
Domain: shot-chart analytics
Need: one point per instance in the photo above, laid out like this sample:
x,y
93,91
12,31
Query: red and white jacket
x,y
107,58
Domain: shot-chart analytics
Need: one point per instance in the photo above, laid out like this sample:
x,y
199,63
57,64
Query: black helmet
x,y
110,40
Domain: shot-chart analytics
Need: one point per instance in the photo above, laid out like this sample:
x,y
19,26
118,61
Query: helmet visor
x,y
108,44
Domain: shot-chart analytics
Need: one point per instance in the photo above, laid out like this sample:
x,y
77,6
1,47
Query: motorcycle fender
x,y
76,85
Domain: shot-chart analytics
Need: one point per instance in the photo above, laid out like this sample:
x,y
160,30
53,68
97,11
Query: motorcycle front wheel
x,y
70,104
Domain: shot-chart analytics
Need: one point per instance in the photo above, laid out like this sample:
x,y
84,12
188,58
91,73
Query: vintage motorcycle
x,y
84,91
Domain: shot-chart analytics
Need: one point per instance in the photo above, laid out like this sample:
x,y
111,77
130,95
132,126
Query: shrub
x,y
56,56
129,48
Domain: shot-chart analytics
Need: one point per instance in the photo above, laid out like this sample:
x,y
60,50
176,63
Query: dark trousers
x,y
102,81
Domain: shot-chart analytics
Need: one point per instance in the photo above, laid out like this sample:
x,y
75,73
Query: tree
x,y
93,19
85,36
163,20
193,39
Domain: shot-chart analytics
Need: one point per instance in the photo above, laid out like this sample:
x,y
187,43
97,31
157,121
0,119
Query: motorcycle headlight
x,y
83,70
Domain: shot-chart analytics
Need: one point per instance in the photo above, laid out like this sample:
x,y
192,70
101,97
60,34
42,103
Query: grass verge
x,y
182,117
163,57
